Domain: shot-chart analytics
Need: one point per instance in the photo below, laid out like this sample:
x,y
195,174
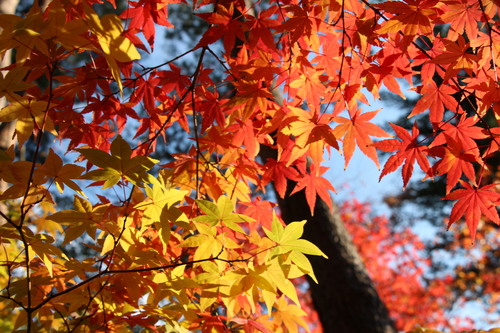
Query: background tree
x,y
185,243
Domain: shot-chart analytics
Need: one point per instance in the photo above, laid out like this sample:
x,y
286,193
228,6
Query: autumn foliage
x,y
185,241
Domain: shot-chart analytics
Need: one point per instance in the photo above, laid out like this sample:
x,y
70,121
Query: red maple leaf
x,y
279,173
473,203
146,89
314,185
455,162
464,132
358,129
224,26
408,150
144,14
260,210
494,145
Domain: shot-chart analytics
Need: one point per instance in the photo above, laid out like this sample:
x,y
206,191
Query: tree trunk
x,y
345,297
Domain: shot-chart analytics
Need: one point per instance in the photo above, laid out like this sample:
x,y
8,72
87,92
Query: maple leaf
x,y
115,47
435,99
259,29
249,325
30,115
279,173
462,15
299,24
144,14
260,210
358,129
161,207
289,315
84,218
314,185
223,26
288,239
13,81
146,90
306,129
161,210
278,272
464,131
68,33
253,96
408,151
42,247
455,162
473,203
118,165
16,174
494,145
23,34
208,242
245,136
221,212
458,56
62,174
310,86
411,16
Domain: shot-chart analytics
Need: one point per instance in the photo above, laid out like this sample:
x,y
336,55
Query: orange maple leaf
x,y
411,16
462,15
464,132
458,56
408,151
309,131
473,203
309,85
358,128
435,99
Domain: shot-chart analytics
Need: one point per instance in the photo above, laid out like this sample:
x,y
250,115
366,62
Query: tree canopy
x,y
190,241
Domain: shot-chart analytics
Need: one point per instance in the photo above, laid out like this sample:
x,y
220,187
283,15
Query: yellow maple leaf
x,y
22,34
118,165
290,243
62,174
70,34
289,315
13,81
29,114
160,209
221,212
84,218
115,47
41,245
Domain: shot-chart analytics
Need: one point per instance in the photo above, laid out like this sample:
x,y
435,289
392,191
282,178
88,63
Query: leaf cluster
x,y
185,244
